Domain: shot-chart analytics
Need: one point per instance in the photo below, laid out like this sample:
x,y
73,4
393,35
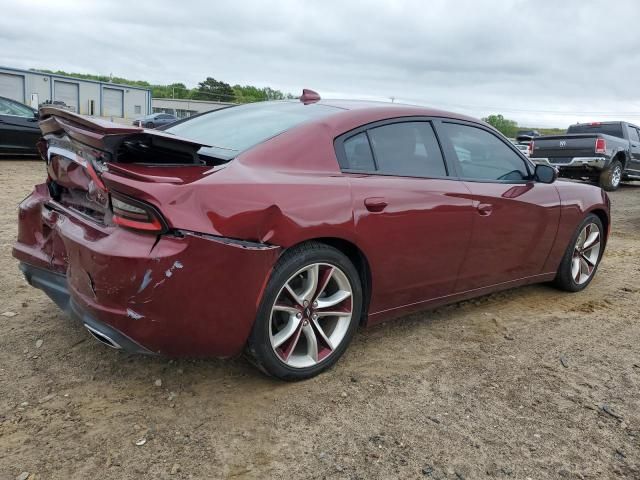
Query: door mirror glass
x,y
546,173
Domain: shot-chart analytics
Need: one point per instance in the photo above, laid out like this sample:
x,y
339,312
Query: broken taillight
x,y
136,215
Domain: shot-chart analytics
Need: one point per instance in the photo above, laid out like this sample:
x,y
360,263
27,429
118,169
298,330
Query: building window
x,y
185,113
137,109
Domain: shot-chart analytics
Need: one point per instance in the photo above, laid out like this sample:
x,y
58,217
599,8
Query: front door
x,y
515,219
634,146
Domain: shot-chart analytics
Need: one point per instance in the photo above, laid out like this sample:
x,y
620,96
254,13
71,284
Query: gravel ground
x,y
531,383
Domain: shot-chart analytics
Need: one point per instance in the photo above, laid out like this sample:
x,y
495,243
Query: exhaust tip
x,y
102,338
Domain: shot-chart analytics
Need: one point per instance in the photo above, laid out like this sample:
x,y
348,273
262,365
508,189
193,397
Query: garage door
x,y
112,102
66,92
12,86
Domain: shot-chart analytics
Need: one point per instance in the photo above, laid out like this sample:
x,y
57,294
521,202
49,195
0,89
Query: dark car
x,y
19,129
155,120
525,136
278,228
604,152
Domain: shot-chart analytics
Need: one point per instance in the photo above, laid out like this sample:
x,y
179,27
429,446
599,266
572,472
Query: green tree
x,y
509,128
214,90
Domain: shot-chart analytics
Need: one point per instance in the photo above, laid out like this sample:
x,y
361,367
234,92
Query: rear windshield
x,y
613,129
229,131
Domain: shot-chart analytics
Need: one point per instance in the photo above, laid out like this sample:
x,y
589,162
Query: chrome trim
x,y
102,338
594,162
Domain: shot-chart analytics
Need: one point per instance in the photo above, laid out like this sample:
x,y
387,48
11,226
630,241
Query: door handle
x,y
485,209
375,204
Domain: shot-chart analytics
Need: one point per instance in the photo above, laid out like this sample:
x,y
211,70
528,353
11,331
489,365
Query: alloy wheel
x,y
311,315
616,176
586,253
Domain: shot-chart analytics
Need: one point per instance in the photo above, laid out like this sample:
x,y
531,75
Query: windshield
x,y
614,129
229,131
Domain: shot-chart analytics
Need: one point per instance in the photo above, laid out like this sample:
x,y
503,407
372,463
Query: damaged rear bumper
x,y
185,294
56,288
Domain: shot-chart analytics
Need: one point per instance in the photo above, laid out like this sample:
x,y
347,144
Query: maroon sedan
x,y
278,228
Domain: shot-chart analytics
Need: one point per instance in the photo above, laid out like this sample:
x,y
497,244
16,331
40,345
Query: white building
x,y
183,108
87,97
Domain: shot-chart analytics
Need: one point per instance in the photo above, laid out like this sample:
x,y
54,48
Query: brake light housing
x,y
136,215
601,146
530,148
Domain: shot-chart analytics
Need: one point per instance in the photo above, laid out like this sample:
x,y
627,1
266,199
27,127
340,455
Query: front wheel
x,y
582,257
611,177
308,314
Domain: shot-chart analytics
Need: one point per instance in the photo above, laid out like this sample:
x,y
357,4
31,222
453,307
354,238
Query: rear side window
x,y
358,153
483,156
613,129
407,149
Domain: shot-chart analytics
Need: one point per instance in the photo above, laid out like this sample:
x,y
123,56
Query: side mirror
x,y
545,173
36,116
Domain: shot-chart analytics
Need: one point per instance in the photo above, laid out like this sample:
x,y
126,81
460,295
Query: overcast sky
x,y
542,63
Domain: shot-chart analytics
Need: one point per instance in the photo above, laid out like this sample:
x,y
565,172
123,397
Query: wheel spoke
x,y
287,332
322,335
311,283
325,276
285,308
591,240
312,342
586,258
294,296
333,313
584,268
575,269
286,353
335,299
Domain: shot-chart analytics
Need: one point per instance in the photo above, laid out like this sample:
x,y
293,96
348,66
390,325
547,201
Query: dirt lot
x,y
530,383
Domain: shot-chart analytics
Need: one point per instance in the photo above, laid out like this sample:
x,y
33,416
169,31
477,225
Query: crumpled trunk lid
x,y
79,150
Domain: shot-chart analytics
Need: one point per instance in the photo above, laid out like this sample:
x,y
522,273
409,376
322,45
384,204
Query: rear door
x,y
515,218
413,220
634,146
19,129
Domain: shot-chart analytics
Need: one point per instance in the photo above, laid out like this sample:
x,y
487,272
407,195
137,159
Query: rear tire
x,y
611,177
582,257
304,325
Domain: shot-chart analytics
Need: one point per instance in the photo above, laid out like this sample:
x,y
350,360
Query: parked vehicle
x,y
19,129
155,120
605,152
277,228
57,104
524,148
525,136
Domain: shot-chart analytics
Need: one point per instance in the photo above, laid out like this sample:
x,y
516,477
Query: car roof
x,y
392,108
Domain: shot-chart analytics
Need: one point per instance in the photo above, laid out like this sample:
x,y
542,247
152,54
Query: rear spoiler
x,y
109,136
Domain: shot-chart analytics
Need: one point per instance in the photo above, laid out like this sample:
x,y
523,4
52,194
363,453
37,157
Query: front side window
x,y
483,156
633,134
16,109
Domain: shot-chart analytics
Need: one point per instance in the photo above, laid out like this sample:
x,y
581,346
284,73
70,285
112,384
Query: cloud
x,y
538,62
